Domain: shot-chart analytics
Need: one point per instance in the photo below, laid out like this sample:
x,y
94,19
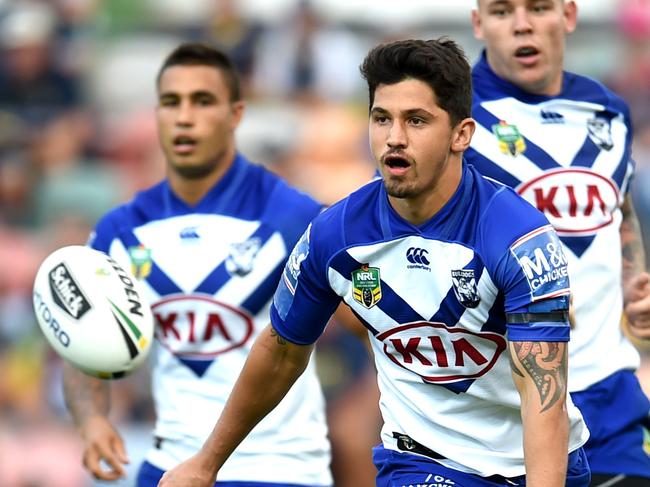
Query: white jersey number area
x,y
198,326
577,202
441,354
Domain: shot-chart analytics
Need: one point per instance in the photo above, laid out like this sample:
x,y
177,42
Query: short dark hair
x,y
440,63
198,54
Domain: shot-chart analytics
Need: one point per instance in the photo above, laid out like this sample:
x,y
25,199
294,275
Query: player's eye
x,y
380,119
541,7
168,101
205,101
499,11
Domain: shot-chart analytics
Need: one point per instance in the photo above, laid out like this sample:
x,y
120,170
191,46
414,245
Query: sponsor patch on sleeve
x,y
542,260
286,290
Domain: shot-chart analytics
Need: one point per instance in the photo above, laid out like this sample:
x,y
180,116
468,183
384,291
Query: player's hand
x,y
194,471
103,442
637,306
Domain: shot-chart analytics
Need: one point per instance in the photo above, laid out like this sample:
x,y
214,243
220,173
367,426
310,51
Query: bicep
x,y
539,370
276,349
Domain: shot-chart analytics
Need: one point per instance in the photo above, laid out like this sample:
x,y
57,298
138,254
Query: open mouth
x,y
397,164
525,52
184,144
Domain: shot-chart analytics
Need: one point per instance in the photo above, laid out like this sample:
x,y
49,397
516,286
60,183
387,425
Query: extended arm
x,y
88,400
272,367
636,280
539,370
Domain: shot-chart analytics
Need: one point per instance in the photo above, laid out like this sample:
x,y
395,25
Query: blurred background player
x,y
563,141
209,242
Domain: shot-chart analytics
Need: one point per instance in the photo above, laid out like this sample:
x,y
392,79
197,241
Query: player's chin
x,y
399,189
190,169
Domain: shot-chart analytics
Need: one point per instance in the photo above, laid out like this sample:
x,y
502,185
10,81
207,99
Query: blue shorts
x,y
396,469
149,476
616,412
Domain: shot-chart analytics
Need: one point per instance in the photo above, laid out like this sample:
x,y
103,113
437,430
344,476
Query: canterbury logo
x,y
416,255
551,117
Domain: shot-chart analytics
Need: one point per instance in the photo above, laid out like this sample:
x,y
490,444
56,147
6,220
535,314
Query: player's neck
x,y
192,190
424,206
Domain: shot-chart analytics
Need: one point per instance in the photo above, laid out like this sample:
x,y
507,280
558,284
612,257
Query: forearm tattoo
x,y
546,364
631,242
85,395
281,340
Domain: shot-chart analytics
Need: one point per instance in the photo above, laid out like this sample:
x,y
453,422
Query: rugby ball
x,y
93,312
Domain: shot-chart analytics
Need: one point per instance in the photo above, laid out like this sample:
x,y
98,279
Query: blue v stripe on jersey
x,y
264,292
394,306
451,309
587,154
157,279
621,171
533,151
220,276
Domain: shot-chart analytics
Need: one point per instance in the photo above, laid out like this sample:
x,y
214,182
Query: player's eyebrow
x,y
407,112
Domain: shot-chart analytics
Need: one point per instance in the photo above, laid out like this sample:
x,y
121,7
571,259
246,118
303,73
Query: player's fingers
x,y
115,464
638,287
92,461
110,457
639,284
640,332
639,309
120,450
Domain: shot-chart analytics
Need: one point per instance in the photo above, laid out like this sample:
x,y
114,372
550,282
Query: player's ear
x,y
462,135
237,110
476,24
570,16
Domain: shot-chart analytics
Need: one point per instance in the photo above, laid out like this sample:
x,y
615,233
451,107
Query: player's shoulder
x,y
582,88
360,204
283,204
349,220
285,193
142,208
504,215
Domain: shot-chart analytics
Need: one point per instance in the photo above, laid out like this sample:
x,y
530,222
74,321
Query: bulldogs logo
x,y
600,130
465,287
242,255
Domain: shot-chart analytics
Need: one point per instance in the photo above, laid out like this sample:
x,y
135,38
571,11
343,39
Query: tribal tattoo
x,y
546,364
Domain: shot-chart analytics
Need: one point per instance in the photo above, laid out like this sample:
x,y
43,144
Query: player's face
x,y
415,145
196,120
524,40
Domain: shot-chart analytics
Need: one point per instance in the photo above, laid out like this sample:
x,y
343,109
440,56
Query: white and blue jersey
x,y
210,272
569,155
436,299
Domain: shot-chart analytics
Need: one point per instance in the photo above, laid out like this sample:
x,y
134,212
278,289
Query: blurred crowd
x,y
77,136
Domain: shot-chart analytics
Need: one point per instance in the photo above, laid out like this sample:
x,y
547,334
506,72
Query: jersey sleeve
x,y
105,231
303,302
535,280
524,255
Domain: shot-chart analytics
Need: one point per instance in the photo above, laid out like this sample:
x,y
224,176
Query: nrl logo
x,y
510,140
465,287
366,286
242,255
140,261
